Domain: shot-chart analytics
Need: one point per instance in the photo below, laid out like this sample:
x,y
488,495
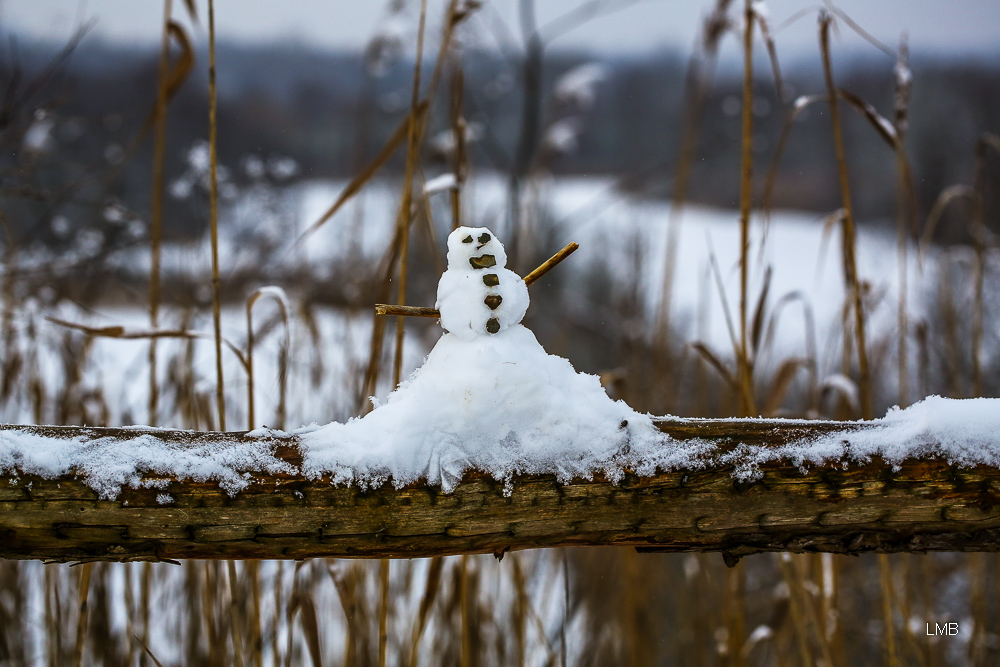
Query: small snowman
x,y
487,397
477,295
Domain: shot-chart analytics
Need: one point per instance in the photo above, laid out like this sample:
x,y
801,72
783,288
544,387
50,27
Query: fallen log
x,y
914,505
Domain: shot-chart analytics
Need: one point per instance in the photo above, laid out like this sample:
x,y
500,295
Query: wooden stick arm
x,y
918,506
551,263
410,311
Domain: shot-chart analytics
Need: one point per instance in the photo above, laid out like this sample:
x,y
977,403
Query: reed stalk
x,y
519,612
985,142
214,220
885,584
208,611
279,297
403,220
458,127
744,367
383,612
156,209
82,613
736,602
129,614
831,626
996,591
256,640
905,215
235,613
431,587
276,616
464,609
700,73
797,603
8,333
145,594
847,225
53,618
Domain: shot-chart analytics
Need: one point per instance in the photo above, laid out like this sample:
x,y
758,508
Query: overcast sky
x,y
953,27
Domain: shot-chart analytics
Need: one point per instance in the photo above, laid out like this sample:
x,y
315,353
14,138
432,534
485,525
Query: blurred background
x,y
618,124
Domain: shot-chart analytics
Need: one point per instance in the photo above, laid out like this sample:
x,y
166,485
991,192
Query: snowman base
x,y
496,403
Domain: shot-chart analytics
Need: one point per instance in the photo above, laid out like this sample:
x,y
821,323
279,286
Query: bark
x,y
920,505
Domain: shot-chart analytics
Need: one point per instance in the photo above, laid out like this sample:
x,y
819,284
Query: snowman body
x,y
477,295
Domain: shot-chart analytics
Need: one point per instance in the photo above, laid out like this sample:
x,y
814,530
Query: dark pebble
x,y
484,262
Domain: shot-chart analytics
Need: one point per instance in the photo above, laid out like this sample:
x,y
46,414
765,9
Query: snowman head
x,y
471,248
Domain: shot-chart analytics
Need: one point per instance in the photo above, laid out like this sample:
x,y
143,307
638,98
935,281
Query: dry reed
x,y
214,220
847,223
279,297
156,208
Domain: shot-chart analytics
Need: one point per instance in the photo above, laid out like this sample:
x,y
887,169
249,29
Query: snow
x,y
563,136
578,86
963,432
440,184
495,403
107,464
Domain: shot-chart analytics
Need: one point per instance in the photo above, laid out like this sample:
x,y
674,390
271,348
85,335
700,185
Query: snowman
x,y
477,294
487,397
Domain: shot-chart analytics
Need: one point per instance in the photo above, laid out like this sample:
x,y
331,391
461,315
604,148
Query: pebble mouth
x,y
484,262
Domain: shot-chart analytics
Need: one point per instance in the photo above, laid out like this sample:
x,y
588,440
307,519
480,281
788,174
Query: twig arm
x,y
550,263
412,311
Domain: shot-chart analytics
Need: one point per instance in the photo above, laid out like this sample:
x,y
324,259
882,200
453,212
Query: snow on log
x,y
921,479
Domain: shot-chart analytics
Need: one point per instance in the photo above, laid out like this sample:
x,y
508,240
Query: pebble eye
x,y
484,238
467,239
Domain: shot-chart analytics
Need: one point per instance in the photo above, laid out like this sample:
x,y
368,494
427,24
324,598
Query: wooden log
x,y
915,506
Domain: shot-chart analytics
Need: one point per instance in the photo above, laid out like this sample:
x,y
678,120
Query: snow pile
x,y
964,432
107,464
498,404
